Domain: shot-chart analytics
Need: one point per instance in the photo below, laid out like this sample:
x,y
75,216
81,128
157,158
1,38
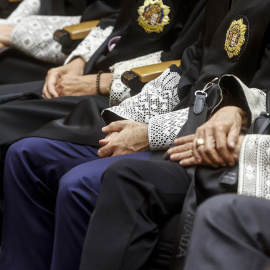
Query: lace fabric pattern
x,y
163,130
33,36
25,9
254,166
256,98
120,91
90,44
156,99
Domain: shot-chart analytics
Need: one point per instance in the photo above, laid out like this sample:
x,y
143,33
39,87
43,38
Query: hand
x,y
220,135
125,137
75,67
72,85
5,35
183,150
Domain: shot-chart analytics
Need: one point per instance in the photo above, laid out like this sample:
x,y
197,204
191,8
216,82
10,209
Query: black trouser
x,y
136,199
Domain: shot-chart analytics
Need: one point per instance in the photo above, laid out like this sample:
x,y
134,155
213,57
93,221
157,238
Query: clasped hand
x,y
221,138
125,137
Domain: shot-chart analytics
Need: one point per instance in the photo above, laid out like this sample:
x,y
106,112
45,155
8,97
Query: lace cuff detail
x,y
157,97
119,91
33,36
90,44
254,166
255,98
163,129
25,9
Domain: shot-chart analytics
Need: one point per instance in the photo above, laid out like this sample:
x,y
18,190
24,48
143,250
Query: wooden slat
x,y
151,72
81,30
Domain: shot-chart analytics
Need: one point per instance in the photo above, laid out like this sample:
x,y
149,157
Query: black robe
x,y
17,67
213,57
27,114
6,8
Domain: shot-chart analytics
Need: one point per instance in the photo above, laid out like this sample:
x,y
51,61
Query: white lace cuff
x,y
254,166
34,37
120,91
25,8
90,44
163,129
157,97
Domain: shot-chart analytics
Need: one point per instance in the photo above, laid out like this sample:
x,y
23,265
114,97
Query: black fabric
x,y
63,7
17,67
6,8
148,200
147,42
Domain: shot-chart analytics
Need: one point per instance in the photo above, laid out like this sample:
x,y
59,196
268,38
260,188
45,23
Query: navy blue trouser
x,y
50,191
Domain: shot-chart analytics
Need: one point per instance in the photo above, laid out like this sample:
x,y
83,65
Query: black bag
x,y
207,181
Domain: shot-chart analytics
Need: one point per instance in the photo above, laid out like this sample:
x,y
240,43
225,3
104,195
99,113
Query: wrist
x,y
78,65
105,82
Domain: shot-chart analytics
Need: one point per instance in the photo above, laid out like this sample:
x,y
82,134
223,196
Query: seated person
x,y
237,226
36,112
32,53
56,183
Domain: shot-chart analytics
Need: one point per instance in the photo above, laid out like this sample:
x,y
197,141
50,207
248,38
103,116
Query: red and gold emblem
x,y
235,38
153,16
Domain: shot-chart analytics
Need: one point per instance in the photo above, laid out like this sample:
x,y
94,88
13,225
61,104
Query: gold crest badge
x,y
153,16
235,38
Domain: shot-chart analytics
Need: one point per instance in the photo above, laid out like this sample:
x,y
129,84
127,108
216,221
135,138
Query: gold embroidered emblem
x,y
235,38
153,16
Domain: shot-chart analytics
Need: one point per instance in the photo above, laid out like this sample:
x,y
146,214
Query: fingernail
x,y
169,151
232,144
172,156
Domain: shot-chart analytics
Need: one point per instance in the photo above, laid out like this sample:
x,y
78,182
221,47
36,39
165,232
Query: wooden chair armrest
x,y
81,30
137,77
75,32
151,72
14,0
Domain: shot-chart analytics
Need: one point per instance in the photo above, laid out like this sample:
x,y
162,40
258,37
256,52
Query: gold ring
x,y
191,153
199,142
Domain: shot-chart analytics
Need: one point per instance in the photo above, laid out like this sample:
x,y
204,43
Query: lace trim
x,y
163,130
156,99
256,99
24,9
34,34
120,91
254,166
90,44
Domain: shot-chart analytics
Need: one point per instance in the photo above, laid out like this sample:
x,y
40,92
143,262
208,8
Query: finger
x,y
209,148
198,135
179,149
104,142
189,162
51,82
45,92
222,148
181,156
116,126
184,140
105,151
205,158
233,136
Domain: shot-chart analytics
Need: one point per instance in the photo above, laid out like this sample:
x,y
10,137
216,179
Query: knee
x,y
217,208
23,148
78,187
115,172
